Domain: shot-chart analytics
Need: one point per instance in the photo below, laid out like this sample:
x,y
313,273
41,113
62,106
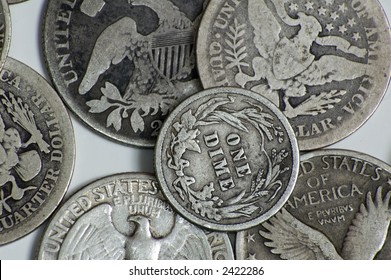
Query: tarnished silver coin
x,y
125,216
339,209
325,64
37,150
122,65
227,159
5,31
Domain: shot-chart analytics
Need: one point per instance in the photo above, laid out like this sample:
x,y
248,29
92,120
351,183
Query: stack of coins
x,y
239,99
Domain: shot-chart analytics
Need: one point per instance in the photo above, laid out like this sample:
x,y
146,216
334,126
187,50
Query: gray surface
x,y
95,154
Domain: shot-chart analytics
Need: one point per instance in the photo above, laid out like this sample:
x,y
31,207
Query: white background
x,y
98,157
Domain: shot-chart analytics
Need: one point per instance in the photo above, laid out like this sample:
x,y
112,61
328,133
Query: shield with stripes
x,y
172,51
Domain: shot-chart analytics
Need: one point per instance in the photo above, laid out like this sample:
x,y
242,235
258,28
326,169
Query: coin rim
x,y
380,84
240,236
67,167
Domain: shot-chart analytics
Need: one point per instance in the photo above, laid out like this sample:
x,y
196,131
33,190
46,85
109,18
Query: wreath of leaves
x,y
266,184
139,105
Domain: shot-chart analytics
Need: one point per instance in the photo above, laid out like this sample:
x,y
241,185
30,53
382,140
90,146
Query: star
x,y
329,27
343,29
293,7
329,2
250,237
309,6
356,37
251,257
322,11
334,15
352,22
343,8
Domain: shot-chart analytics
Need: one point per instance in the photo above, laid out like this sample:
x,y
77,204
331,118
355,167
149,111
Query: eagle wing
x,y
185,242
93,237
369,228
266,27
331,68
113,45
293,240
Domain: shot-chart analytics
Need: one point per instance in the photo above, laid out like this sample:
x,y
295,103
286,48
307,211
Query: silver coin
x,y
325,64
227,159
5,31
125,216
37,150
122,65
339,209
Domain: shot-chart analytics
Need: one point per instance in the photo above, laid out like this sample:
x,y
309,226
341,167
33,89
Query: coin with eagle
x,y
339,210
326,64
125,217
122,65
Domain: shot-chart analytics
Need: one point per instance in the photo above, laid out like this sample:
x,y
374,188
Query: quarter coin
x,y
339,209
5,31
121,66
37,150
325,64
125,216
227,159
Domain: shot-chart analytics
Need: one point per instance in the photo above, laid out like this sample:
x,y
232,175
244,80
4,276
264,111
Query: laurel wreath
x,y
265,186
135,108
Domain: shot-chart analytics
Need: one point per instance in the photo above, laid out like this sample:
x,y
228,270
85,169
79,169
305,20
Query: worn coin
x,y
5,31
227,159
15,1
325,64
339,209
125,216
122,65
36,150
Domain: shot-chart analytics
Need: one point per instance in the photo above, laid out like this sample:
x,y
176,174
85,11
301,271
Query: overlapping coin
x,y
339,209
36,150
226,159
125,216
325,64
5,31
122,65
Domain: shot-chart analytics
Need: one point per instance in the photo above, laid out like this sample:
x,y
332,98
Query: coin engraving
x,y
211,170
340,210
320,62
149,44
36,151
5,31
125,217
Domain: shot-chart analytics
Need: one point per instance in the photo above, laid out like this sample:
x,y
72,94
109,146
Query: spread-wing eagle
x,y
106,233
286,62
122,40
294,240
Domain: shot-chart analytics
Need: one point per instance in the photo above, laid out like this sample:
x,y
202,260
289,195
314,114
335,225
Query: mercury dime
x,y
36,150
122,65
325,64
5,31
125,217
226,159
339,209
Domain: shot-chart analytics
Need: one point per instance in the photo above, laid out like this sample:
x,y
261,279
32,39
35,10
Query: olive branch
x,y
236,53
23,116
